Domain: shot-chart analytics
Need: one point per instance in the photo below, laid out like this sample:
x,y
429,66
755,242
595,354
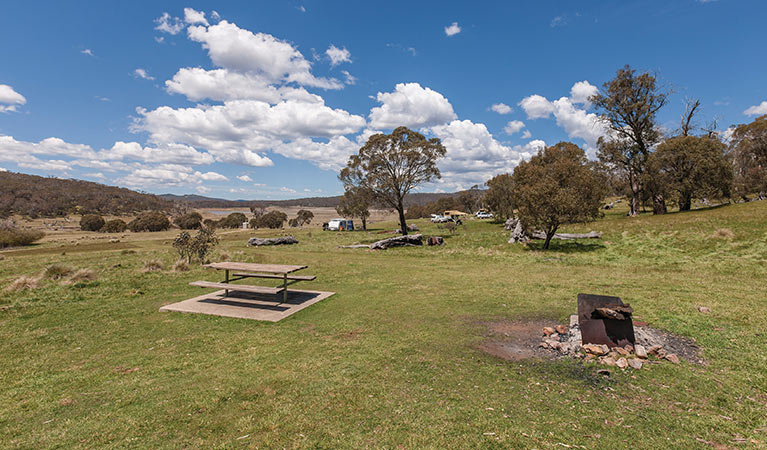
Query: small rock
x,y
673,358
704,309
603,372
654,349
561,329
613,354
635,364
661,353
573,320
608,360
544,344
548,331
622,363
622,351
594,349
640,351
629,348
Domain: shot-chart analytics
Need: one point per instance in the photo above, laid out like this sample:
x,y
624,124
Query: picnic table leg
x,y
285,288
226,280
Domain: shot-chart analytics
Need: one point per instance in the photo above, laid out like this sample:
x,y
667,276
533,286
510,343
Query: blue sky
x,y
268,99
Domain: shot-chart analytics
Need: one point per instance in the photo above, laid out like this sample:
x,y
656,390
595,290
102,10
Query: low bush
x,y
114,226
272,219
149,221
91,222
233,220
153,266
14,237
189,221
57,271
181,266
23,283
82,276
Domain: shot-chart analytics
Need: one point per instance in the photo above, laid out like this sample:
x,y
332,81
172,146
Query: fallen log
x,y
567,236
410,240
285,240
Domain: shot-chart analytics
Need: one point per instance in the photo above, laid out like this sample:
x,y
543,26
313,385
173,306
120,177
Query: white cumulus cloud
x,y
756,110
452,29
168,24
515,126
194,17
501,108
338,55
412,106
245,178
10,100
141,73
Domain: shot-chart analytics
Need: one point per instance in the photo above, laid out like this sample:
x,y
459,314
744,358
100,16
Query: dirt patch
x,y
515,340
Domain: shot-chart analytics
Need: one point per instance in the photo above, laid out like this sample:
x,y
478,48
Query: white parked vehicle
x,y
340,225
436,218
484,215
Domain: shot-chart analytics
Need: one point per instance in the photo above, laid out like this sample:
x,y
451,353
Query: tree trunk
x,y
634,202
364,224
685,202
549,235
659,204
402,223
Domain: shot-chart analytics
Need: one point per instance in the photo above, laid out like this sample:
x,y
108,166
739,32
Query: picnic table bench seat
x,y
237,287
276,276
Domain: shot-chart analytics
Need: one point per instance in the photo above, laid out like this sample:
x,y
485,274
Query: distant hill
x,y
199,201
34,196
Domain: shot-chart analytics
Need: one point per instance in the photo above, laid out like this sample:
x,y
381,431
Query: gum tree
x,y
390,166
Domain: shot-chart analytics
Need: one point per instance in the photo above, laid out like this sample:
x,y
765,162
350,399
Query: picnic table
x,y
251,270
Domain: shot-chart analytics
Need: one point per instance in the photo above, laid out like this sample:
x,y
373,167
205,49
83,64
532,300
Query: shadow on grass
x,y
565,246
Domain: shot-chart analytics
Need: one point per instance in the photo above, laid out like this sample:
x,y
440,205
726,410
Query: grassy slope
x,y
391,358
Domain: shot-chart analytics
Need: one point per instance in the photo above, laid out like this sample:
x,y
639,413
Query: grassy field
x,y
392,359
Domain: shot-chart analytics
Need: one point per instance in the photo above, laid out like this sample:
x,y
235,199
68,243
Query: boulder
x,y
640,351
435,240
635,363
595,349
285,240
622,363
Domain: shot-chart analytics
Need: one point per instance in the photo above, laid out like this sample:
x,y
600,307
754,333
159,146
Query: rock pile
x,y
567,342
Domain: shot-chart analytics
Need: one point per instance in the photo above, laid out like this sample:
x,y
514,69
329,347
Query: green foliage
x,y
233,220
91,222
691,167
149,221
628,104
438,206
749,148
188,221
10,236
558,185
304,217
471,200
114,226
272,219
355,203
389,166
197,246
499,198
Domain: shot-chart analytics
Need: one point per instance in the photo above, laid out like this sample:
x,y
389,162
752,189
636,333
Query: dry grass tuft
x,y
152,266
83,275
23,283
181,266
723,233
224,256
57,271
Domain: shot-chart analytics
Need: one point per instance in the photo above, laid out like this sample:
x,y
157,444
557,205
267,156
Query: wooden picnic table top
x,y
253,267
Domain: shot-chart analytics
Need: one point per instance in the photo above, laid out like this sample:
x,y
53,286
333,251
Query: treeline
x,y
34,197
199,201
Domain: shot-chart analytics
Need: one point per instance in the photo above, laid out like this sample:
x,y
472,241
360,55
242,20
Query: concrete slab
x,y
243,305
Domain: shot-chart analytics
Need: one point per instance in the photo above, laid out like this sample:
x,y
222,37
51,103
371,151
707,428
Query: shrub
x,y
181,266
22,283
189,221
233,220
91,222
210,223
14,237
149,221
273,219
198,246
57,271
152,266
114,226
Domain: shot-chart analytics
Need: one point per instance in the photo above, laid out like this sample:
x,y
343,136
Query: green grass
x,y
391,359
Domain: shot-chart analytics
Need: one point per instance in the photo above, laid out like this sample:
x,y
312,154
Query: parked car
x,y
437,218
484,215
339,225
